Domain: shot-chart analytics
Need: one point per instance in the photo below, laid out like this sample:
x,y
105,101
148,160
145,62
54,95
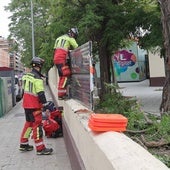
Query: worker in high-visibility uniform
x,y
34,100
62,46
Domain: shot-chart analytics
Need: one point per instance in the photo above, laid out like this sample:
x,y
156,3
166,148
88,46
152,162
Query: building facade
x,y
135,64
10,59
4,53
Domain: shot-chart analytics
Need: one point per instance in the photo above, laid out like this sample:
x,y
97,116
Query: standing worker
x,y
33,101
62,46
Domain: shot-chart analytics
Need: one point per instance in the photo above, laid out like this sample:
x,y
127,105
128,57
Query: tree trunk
x,y
165,10
113,77
105,74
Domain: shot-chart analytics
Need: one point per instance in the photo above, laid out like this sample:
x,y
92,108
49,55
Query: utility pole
x,y
32,22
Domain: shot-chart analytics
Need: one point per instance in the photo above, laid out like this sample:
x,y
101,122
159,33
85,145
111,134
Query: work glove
x,y
49,106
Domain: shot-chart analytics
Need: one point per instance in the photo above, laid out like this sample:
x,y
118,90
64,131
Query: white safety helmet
x,y
74,31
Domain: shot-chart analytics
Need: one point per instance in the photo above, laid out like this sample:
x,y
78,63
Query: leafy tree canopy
x,y
106,22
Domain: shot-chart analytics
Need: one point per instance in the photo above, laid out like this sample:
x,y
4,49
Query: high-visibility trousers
x,y
62,86
33,125
64,72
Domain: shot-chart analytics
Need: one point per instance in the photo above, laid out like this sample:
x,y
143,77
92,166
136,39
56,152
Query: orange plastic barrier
x,y
107,122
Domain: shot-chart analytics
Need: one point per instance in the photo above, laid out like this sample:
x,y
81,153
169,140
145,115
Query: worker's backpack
x,y
52,122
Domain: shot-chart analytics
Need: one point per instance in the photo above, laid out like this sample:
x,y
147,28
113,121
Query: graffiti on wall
x,y
124,61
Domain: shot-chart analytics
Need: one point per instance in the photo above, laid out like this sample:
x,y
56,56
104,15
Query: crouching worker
x,y
62,46
34,100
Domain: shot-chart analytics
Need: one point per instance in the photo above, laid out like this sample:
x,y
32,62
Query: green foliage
x,y
114,102
155,130
106,23
161,131
164,127
20,29
136,120
165,159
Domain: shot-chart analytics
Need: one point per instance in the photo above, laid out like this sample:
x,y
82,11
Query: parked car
x,y
18,88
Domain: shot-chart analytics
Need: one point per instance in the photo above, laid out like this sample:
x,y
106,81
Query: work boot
x,y
65,97
26,147
45,151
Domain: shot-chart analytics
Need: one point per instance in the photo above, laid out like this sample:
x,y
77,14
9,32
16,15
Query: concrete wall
x,y
156,69
99,151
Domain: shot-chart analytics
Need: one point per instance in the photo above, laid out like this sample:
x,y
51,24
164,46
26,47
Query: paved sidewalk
x,y
11,125
12,159
148,97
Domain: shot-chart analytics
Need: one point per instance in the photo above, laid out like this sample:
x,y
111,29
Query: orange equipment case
x,y
107,122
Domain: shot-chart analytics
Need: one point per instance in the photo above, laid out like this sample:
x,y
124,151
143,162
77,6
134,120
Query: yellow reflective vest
x,y
62,45
65,42
32,85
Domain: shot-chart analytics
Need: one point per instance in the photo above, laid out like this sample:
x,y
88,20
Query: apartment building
x,y
10,59
4,53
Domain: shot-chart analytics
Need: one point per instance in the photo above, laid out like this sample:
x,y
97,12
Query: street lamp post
x,y
32,22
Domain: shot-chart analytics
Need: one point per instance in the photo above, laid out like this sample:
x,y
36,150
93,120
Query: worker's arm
x,y
73,43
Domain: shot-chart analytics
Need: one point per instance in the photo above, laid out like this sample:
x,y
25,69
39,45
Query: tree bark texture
x,y
105,74
165,19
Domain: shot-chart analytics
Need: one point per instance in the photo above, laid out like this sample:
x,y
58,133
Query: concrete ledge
x,y
109,150
73,152
100,151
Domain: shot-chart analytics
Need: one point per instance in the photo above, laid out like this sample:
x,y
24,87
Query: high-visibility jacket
x,y
33,86
62,45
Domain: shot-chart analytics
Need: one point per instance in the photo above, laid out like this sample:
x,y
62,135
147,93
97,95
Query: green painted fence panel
x,y
2,97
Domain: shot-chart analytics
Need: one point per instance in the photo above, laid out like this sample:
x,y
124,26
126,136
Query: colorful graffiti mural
x,y
123,60
129,64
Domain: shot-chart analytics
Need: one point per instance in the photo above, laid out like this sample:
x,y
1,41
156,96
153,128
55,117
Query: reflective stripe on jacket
x,y
62,45
32,85
65,42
